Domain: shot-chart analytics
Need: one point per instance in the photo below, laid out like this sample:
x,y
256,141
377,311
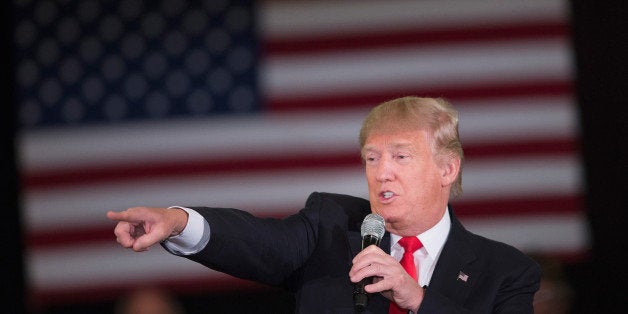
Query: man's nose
x,y
385,170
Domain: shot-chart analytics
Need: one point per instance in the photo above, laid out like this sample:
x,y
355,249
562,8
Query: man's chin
x,y
390,217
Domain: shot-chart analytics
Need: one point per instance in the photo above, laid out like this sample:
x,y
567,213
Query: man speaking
x,y
426,261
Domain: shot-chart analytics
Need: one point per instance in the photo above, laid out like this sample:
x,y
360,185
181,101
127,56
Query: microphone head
x,y
373,225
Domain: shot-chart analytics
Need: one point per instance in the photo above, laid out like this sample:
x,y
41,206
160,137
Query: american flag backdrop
x,y
254,105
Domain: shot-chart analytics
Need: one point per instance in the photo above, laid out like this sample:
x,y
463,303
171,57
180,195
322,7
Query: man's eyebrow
x,y
407,148
402,145
366,149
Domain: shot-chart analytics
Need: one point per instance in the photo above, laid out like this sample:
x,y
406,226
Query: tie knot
x,y
410,244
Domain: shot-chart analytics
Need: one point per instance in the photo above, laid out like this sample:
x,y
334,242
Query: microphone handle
x,y
360,297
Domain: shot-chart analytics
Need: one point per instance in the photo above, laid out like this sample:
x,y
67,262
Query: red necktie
x,y
410,245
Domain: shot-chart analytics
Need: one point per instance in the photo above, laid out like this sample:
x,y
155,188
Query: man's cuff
x,y
193,238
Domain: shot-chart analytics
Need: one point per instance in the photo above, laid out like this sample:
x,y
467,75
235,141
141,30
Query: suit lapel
x,y
455,274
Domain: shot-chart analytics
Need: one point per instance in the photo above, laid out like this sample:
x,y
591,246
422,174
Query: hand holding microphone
x,y
372,231
391,279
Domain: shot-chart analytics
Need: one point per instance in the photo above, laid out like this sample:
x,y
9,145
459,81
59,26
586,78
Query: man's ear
x,y
449,170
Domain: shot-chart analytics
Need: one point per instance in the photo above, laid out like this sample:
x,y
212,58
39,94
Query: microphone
x,y
372,230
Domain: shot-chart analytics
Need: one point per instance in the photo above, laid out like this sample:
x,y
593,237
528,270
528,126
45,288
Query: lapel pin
x,y
463,277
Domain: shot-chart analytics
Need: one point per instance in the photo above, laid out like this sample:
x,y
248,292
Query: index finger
x,y
120,216
368,250
368,256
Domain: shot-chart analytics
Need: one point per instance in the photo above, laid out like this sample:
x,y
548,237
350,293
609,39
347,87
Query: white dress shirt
x,y
425,258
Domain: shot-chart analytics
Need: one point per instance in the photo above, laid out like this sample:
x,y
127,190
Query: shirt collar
x,y
433,239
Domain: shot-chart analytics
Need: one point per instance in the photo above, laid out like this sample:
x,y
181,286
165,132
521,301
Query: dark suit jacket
x,y
310,254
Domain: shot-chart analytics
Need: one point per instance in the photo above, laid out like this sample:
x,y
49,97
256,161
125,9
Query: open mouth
x,y
387,195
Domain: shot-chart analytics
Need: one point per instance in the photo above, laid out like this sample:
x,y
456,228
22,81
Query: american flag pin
x,y
463,277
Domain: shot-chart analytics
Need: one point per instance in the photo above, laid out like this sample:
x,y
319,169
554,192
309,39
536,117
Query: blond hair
x,y
435,115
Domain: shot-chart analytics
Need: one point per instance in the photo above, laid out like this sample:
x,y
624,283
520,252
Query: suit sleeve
x,y
517,292
265,250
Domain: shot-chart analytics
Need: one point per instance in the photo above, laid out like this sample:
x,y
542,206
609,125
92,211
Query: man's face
x,y
405,182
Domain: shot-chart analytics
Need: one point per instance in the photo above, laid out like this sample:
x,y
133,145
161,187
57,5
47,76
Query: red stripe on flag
x,y
546,146
513,207
378,40
96,174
